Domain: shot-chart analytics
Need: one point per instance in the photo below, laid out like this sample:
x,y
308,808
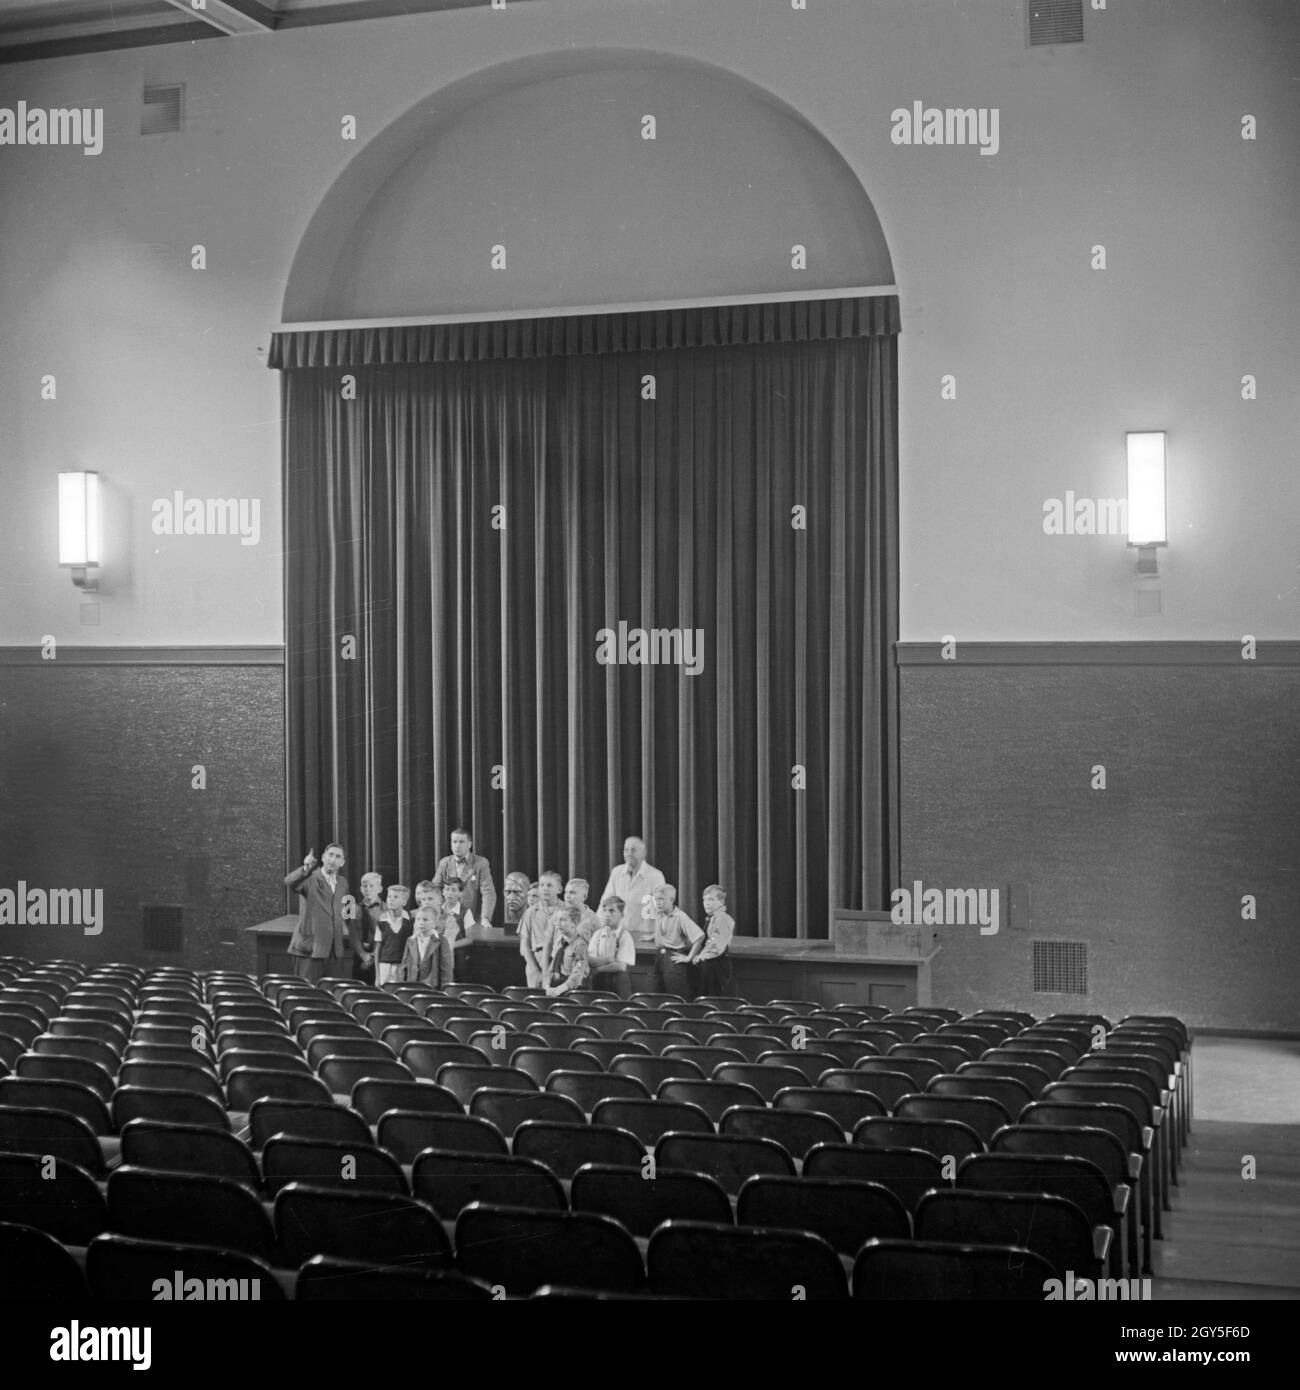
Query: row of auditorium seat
x,y
473,1117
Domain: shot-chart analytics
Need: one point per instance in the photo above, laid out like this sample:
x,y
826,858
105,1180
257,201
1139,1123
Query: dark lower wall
x,y
1202,756
96,752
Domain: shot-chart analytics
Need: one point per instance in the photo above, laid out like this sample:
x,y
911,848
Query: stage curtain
x,y
465,512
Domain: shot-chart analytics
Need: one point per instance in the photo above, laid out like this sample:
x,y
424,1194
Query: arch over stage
x,y
494,512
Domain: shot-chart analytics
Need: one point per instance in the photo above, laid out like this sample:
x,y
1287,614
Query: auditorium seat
x,y
539,1062
907,1173
66,1097
564,1147
125,1267
1034,1054
109,1033
57,1066
886,1084
178,1148
509,1109
721,1003
882,1036
376,1227
258,1061
795,1130
1032,1078
729,1020
35,1266
697,1029
844,1107
939,1137
651,1072
462,1079
522,1249
588,1088
624,1194
846,1051
165,1076
152,1204
62,1199
982,1115
372,1098
425,1059
236,1035
604,1050
983,1032
450,1180
751,1046
340,1074
166,1107
1076,1179
498,1044
729,1158
937,1271
933,1012
302,1119
560,1034
325,1277
397,1035
1121,1124
148,1052
520,1018
334,1045
928,1047
650,1120
336,1026
656,1039
609,1026
407,1133
354,1167
439,1012
845,1212
12,1048
244,1085
695,1259
919,1069
766,1080
1049,1225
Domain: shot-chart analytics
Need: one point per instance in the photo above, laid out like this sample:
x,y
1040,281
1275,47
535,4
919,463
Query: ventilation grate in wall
x,y
1054,21
162,928
162,109
1060,967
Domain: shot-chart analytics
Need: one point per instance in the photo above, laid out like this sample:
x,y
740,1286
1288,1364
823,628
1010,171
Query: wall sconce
x,y
1146,496
79,527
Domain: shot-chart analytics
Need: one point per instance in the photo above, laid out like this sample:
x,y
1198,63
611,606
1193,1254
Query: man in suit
x,y
473,872
326,932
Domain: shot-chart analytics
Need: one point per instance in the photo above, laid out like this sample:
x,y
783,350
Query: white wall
x,y
1131,140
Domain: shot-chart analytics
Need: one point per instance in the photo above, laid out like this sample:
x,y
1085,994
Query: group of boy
x,y
565,945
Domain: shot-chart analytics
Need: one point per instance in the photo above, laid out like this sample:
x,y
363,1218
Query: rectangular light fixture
x,y
79,525
1147,521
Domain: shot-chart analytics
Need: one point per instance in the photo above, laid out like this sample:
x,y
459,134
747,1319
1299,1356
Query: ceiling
x,y
32,29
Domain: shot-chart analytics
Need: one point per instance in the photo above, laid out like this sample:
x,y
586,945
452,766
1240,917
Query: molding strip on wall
x,y
145,656
1224,653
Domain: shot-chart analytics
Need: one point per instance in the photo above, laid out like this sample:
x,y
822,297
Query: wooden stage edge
x,y
765,968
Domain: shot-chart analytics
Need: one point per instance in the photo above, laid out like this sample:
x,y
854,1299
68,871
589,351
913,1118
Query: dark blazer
x,y
433,968
321,931
480,895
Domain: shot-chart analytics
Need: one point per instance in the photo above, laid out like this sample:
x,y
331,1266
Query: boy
x,y
368,911
711,954
455,918
611,950
392,931
675,934
575,894
535,928
567,956
426,959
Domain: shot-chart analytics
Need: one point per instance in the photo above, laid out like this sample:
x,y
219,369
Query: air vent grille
x,y
1060,967
162,928
1054,21
162,110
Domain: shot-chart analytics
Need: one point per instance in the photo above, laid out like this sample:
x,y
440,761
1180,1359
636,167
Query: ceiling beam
x,y
229,17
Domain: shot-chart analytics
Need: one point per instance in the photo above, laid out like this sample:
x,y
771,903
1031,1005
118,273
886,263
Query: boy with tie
x,y
611,951
675,934
711,954
426,959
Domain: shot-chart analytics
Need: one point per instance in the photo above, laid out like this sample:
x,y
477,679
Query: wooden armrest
x,y
1157,1116
1147,1134
1135,1166
1120,1194
1101,1238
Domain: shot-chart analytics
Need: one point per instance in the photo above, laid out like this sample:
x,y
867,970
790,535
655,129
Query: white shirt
x,y
637,891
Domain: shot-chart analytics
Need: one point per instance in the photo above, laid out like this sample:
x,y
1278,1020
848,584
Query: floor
x,y
1231,1235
